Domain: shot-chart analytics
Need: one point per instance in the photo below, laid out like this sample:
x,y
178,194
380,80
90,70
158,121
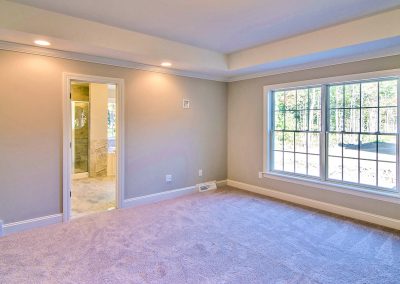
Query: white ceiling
x,y
222,25
138,35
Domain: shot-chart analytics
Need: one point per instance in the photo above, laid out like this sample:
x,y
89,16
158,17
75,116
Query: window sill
x,y
392,197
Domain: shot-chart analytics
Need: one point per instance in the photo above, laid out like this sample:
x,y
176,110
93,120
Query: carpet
x,y
225,236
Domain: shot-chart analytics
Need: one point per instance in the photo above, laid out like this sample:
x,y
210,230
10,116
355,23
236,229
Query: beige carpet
x,y
92,195
226,236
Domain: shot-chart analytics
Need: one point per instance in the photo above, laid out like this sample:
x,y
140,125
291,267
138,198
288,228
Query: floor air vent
x,y
207,186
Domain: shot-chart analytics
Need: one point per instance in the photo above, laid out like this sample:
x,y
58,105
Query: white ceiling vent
x,y
210,185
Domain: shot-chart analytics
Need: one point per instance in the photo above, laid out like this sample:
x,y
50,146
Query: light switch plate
x,y
168,178
186,103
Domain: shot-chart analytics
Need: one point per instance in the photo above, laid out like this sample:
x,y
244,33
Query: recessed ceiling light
x,y
166,64
42,42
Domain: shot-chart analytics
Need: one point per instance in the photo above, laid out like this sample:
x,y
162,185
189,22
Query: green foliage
x,y
388,93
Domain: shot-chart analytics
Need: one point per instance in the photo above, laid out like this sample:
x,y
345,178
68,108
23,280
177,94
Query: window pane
x,y
301,117
315,120
387,148
279,100
288,162
368,147
290,120
352,95
292,115
278,161
290,99
334,144
302,99
278,141
313,143
368,172
388,93
336,96
369,94
279,120
301,142
289,141
350,170
335,168
386,175
388,120
301,163
315,98
336,120
352,120
350,145
313,165
369,120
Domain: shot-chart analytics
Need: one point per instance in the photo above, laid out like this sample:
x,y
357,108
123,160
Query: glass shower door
x,y
80,136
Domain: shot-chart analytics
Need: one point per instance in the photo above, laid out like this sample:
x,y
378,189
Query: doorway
x,y
93,127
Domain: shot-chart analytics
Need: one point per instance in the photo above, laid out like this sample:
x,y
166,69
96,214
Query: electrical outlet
x,y
260,174
168,178
200,172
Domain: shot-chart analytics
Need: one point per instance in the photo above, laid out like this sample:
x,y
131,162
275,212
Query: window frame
x,y
323,180
308,131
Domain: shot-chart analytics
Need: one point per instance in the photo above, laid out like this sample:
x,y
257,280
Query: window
x,y
343,133
111,124
296,132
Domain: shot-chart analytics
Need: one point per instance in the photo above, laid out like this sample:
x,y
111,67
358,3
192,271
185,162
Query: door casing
x,y
67,137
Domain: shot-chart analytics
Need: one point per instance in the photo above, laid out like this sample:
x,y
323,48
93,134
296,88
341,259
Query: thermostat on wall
x,y
186,103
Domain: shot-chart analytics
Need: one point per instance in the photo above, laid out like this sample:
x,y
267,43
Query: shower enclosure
x,y
80,133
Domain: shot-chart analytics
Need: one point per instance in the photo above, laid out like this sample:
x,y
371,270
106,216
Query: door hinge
x,y
70,96
70,194
70,144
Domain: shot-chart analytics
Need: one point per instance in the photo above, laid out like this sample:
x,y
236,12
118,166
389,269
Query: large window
x,y
341,133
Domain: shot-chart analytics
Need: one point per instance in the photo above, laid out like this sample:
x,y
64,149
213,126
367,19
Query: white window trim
x,y
267,172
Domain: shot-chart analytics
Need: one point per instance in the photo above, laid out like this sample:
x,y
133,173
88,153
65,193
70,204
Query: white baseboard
x,y
221,183
80,175
151,198
20,226
156,197
340,210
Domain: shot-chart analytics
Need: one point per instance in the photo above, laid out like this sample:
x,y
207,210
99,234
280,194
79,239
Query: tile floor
x,y
91,195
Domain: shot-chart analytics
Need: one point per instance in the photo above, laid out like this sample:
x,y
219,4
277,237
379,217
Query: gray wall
x,y
161,137
245,141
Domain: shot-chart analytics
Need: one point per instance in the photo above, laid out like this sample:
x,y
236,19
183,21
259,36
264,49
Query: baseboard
x,y
156,197
20,226
221,183
340,210
80,175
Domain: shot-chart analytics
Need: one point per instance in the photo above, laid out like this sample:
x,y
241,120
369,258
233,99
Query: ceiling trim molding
x,y
23,48
309,66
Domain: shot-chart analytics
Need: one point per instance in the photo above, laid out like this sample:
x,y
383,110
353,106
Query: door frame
x,y
67,136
